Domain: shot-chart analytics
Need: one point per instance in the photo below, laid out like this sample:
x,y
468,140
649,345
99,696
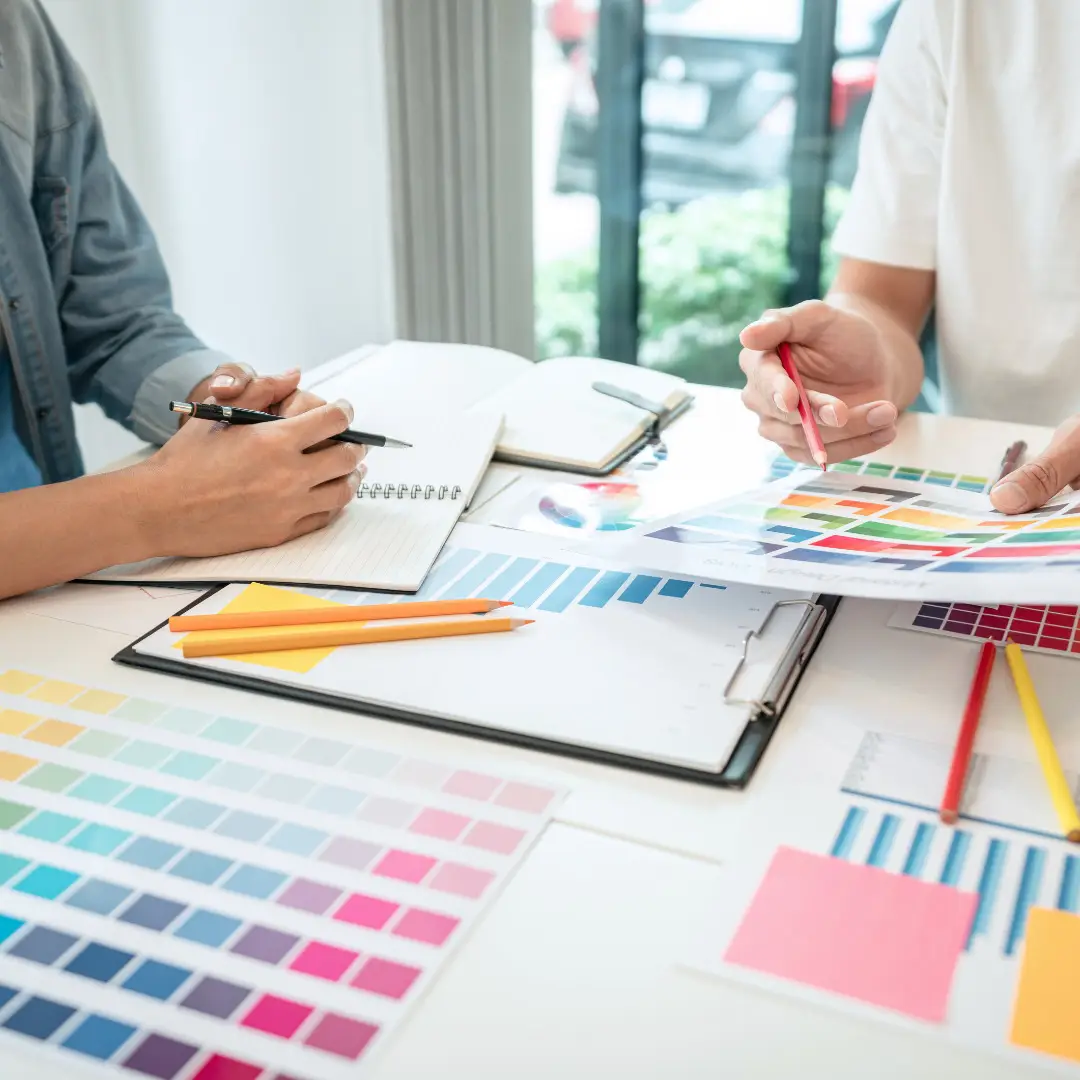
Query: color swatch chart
x,y
196,897
1037,628
783,466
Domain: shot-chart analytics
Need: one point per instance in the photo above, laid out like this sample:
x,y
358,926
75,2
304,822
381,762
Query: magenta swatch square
x,y
369,911
501,839
304,895
224,1068
440,824
425,926
324,961
471,785
342,1036
277,1016
405,866
886,939
386,978
528,798
462,880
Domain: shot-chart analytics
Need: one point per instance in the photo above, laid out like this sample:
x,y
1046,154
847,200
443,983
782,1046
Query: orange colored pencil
x,y
243,620
965,740
806,413
279,639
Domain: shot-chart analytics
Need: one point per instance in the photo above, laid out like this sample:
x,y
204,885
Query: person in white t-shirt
x,y
967,200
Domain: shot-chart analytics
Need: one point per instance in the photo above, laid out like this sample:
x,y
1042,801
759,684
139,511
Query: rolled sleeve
x,y
173,381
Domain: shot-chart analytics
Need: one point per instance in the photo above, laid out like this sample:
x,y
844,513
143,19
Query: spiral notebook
x,y
388,539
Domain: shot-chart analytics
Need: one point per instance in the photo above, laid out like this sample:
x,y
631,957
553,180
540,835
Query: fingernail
x,y
346,407
828,416
221,381
765,320
779,402
881,416
362,470
293,371
1009,497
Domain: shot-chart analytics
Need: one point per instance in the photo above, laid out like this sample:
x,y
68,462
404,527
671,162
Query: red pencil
x,y
806,414
965,740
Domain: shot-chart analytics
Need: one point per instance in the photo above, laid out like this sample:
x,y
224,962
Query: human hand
x,y
238,385
214,489
840,359
1035,483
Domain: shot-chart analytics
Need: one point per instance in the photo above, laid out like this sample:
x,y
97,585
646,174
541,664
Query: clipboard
x,y
765,709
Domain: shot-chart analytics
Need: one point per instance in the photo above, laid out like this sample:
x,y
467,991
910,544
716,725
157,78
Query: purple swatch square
x,y
263,944
215,997
160,1057
352,854
304,895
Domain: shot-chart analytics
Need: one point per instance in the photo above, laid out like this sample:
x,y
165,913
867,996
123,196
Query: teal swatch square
x,y
9,927
233,732
188,766
98,839
277,741
287,789
100,789
235,777
47,882
10,865
148,853
143,755
147,801
254,881
139,711
185,721
50,827
194,813
102,744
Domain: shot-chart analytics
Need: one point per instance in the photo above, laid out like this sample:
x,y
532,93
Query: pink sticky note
x,y
886,939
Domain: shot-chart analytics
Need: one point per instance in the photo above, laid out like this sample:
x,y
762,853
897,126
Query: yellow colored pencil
x,y
1044,744
278,639
407,609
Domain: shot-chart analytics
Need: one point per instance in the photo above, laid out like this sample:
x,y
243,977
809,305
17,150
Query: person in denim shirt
x,y
86,316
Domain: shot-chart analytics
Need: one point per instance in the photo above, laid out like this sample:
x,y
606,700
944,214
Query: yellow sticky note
x,y
100,702
18,682
1048,995
267,598
55,733
13,722
57,693
14,766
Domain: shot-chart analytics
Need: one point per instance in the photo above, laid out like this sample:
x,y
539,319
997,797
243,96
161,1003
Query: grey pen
x,y
226,414
1011,460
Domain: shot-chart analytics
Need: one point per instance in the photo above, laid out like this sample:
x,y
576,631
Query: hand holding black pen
x,y
226,414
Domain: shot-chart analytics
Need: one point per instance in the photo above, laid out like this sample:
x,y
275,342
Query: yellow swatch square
x,y
1047,1006
100,702
18,682
56,693
13,722
14,766
55,732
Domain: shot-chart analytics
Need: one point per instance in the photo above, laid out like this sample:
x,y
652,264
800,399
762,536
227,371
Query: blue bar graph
x,y
639,590
988,884
510,579
676,588
920,848
954,860
446,571
568,590
879,852
605,589
539,584
471,582
845,838
1069,893
1026,895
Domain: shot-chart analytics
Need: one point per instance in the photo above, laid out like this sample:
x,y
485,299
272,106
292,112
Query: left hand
x,y
238,385
1035,483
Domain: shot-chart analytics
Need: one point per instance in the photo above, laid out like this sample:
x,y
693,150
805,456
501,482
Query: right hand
x,y
214,489
840,359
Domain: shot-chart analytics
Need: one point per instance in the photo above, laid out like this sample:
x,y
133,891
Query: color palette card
x,y
1035,627
852,534
188,896
783,466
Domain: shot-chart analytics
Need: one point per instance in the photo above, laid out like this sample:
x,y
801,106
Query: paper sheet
x,y
122,609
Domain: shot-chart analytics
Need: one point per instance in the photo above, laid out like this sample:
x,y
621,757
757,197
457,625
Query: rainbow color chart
x,y
782,466
187,896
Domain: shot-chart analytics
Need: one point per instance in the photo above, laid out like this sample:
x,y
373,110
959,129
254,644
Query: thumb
x,y
1039,480
230,381
802,323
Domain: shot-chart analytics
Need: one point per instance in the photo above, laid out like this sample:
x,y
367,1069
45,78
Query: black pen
x,y
226,414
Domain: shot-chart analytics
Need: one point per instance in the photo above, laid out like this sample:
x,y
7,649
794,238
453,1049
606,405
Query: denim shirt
x,y
85,304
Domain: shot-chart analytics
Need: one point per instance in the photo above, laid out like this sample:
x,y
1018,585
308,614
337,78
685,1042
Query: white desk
x,y
594,920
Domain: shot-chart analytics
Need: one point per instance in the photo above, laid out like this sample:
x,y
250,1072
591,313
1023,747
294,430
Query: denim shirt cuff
x,y
173,381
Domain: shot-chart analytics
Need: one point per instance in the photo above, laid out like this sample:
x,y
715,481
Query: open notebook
x,y
555,417
389,538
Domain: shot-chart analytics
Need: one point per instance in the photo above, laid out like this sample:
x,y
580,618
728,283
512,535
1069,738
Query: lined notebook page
x,y
378,543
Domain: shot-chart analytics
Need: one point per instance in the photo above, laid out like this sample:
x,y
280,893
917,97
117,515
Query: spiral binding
x,y
408,491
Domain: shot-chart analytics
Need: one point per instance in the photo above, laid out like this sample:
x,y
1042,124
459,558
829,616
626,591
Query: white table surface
x,y
575,964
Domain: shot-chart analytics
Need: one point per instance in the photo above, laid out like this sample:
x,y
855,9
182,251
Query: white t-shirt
x,y
970,166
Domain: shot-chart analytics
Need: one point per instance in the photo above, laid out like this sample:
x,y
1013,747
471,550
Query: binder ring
x,y
787,666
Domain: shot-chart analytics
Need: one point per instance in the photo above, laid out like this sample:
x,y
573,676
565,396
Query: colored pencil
x,y
806,414
243,620
1044,744
965,739
281,639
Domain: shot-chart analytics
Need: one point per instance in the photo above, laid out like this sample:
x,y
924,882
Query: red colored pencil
x,y
806,414
965,740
